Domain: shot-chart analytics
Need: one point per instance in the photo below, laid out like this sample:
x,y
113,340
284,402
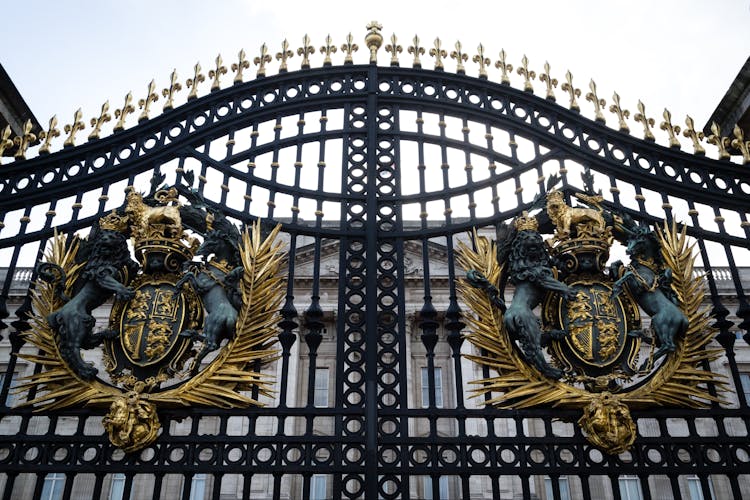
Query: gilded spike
x,y
97,123
47,136
621,113
482,61
349,48
640,116
216,73
145,103
438,53
123,112
504,68
720,142
460,58
395,49
417,50
374,39
283,56
5,140
598,103
174,87
71,130
741,144
527,74
259,61
328,49
695,137
549,81
305,51
572,91
672,130
243,64
24,140
193,82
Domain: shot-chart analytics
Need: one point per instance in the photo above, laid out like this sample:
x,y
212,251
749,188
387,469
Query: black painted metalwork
x,y
385,162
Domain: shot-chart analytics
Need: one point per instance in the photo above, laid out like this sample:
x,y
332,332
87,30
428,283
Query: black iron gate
x,y
379,172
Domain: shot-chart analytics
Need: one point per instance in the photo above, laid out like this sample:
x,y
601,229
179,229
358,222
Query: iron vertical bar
x,y
371,287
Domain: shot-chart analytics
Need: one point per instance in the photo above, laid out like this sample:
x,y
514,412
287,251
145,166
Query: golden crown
x,y
526,222
157,229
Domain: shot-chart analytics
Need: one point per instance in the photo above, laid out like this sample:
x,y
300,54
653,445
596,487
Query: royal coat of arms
x,y
572,335
192,319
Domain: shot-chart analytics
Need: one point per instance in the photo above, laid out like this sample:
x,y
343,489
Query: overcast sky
x,y
680,55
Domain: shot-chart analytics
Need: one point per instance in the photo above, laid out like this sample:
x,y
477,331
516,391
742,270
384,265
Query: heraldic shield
x,y
571,335
193,316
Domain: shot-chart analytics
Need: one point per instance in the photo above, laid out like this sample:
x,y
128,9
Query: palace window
x,y
11,399
745,380
630,488
442,487
438,387
198,487
117,487
53,486
696,491
564,485
321,399
318,487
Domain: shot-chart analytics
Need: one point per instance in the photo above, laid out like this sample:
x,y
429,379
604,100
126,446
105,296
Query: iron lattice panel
x,y
394,166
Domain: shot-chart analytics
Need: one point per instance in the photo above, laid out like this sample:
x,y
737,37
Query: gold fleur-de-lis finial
x,y
5,140
193,82
216,73
598,103
97,123
460,58
145,103
741,144
672,130
374,39
395,49
641,117
438,53
243,64
73,128
47,136
616,108
24,140
695,136
527,74
572,91
328,49
720,142
549,82
168,93
259,61
123,112
349,48
504,67
283,56
417,50
305,51
482,61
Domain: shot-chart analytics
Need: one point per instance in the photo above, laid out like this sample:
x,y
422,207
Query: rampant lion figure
x,y
107,272
530,270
